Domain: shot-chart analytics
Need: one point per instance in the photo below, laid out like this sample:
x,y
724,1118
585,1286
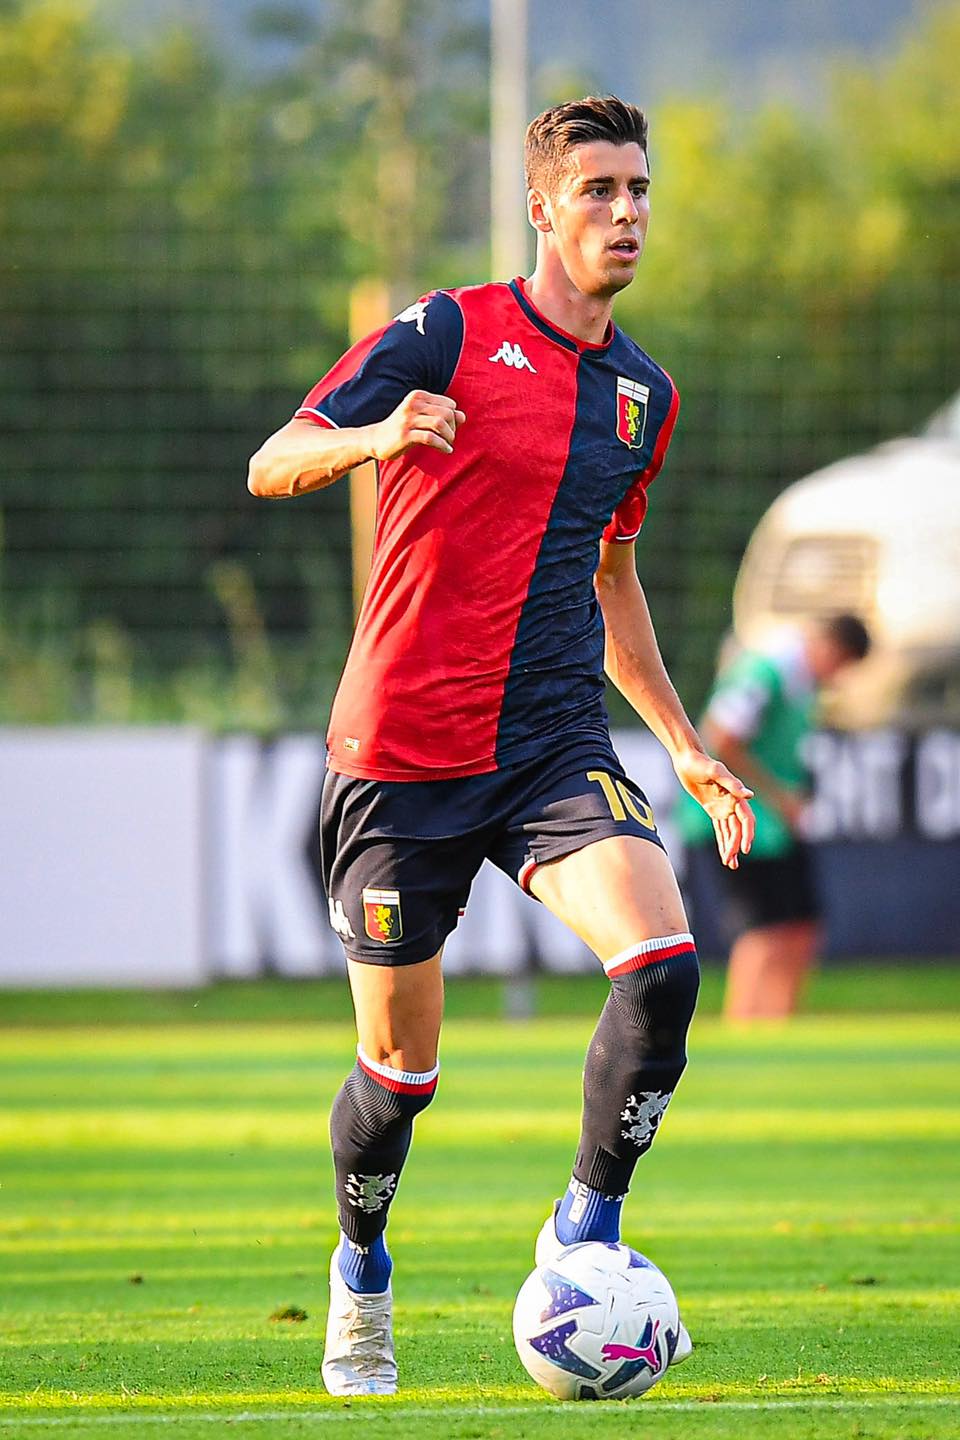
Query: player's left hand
x,y
724,798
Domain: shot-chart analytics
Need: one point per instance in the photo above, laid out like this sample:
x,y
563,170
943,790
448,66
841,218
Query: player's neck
x,y
557,298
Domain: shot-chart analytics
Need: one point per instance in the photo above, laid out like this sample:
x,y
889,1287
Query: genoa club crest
x,y
632,398
381,914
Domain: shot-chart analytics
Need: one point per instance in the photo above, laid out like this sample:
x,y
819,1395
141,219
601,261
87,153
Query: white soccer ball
x,y
600,1322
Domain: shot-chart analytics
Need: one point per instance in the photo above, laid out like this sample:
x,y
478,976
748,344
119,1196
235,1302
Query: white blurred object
x,y
945,422
102,881
877,535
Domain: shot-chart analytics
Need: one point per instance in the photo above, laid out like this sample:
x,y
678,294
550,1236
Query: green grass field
x,y
165,1192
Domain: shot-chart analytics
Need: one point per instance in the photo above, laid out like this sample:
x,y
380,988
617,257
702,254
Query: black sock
x,y
635,1059
371,1126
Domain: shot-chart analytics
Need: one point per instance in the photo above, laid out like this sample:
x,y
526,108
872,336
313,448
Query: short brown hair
x,y
552,135
848,633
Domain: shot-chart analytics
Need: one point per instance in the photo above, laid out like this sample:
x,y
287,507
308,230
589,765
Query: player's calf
x,y
371,1127
636,1057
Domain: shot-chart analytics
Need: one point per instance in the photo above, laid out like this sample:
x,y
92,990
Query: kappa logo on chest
x,y
512,356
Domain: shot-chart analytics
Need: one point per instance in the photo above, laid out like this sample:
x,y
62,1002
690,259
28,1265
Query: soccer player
x,y
517,431
758,716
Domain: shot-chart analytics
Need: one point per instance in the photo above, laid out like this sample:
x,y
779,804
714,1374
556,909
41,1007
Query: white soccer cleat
x,y
358,1356
684,1346
548,1247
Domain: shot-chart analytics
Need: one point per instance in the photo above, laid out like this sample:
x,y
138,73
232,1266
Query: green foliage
x,y
175,261
797,284
177,250
137,245
395,92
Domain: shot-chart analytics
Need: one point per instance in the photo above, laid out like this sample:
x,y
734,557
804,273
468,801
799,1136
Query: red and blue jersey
x,y
480,642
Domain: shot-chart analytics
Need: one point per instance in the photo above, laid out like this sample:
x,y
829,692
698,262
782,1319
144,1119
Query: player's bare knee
x,y
417,1056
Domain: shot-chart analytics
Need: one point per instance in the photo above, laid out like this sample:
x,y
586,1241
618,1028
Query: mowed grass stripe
x,y
155,1051
373,1406
815,1419
177,1129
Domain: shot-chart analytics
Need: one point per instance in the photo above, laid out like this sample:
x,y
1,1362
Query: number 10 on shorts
x,y
620,801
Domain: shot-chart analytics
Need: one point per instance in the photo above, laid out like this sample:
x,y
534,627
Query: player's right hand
x,y
419,419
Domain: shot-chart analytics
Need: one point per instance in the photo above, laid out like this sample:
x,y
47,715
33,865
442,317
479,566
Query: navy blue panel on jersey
x,y
418,350
555,684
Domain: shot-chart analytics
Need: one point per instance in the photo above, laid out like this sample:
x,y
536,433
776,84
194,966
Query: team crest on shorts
x,y
382,919
632,400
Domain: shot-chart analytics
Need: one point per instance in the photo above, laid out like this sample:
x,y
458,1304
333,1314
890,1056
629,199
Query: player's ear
x,y
538,211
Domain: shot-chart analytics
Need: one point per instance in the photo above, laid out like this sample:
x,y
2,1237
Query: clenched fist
x,y
419,419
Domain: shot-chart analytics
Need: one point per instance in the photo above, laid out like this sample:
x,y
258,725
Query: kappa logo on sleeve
x,y
382,918
415,313
632,401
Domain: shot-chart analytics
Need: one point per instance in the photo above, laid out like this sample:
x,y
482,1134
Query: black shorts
x,y
398,857
764,890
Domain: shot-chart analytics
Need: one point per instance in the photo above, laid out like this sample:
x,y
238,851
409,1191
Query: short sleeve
x,y
629,515
418,350
742,698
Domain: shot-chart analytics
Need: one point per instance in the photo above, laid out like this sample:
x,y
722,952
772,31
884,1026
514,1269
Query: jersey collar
x,y
553,332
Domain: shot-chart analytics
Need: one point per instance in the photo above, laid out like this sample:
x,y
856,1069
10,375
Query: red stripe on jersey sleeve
x,y
345,369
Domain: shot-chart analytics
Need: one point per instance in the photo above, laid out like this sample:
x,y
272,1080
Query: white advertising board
x,y
101,860
164,857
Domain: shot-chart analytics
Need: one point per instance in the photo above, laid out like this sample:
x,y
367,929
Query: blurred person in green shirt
x,y
759,713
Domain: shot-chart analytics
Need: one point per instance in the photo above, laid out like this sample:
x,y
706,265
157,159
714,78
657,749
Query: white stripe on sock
x,y
662,942
403,1077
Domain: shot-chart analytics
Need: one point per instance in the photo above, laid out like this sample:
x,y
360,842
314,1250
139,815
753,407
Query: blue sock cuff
x,y
365,1269
586,1214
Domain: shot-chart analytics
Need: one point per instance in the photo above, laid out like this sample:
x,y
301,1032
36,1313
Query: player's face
x,y
599,216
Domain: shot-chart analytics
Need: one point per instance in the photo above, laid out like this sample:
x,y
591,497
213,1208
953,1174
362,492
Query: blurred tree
x,y
142,317
173,258
177,249
801,283
391,94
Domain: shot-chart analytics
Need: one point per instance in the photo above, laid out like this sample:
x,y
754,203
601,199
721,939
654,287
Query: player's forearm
x,y
635,665
303,457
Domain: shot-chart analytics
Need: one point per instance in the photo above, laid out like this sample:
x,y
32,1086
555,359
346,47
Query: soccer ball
x,y
599,1322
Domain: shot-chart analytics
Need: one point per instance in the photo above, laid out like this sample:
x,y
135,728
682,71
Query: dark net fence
x,y
762,406
175,269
